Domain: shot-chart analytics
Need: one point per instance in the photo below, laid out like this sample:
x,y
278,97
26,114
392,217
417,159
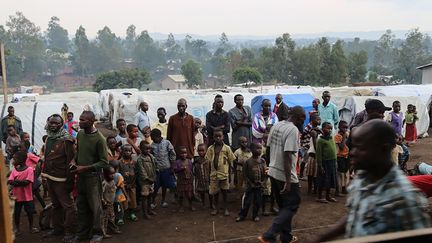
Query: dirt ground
x,y
199,226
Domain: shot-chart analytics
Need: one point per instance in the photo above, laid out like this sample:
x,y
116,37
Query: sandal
x,y
322,201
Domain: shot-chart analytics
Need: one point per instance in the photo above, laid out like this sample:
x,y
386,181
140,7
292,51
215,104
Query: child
x,y
311,167
254,171
108,197
404,156
133,140
164,154
343,163
183,170
162,124
242,154
267,193
21,179
128,171
396,117
201,171
120,195
33,162
121,127
199,138
411,129
70,125
221,159
12,142
146,177
26,137
326,161
113,151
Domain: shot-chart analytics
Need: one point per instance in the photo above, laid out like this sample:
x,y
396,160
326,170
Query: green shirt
x,y
91,150
325,150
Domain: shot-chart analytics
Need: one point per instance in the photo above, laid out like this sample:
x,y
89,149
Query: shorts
x,y
217,185
164,178
146,190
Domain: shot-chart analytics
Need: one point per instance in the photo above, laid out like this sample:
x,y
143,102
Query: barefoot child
x,y
113,151
146,177
108,197
221,159
201,169
165,156
254,171
21,180
343,163
120,195
311,167
242,154
410,120
128,171
326,161
183,170
121,127
133,140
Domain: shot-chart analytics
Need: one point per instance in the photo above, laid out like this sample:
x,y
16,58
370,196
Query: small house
x,y
174,82
426,73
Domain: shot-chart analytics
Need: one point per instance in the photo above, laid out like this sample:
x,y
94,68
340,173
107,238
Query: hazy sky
x,y
234,17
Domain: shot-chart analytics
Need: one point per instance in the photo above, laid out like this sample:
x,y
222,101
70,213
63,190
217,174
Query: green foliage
x,y
127,78
247,74
192,73
357,66
57,36
81,57
146,54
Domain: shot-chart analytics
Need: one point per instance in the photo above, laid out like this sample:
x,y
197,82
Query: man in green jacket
x,y
8,120
90,159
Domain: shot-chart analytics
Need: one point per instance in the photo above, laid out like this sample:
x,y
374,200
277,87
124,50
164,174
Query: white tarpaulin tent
x,y
423,92
355,104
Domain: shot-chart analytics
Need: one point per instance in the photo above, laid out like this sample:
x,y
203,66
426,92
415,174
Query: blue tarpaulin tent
x,y
304,100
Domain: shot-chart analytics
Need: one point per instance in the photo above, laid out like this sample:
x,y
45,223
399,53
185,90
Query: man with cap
x,y
360,117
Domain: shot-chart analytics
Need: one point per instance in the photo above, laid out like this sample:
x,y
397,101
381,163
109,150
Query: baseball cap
x,y
376,105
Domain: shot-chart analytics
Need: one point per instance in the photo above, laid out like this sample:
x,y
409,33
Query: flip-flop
x,y
322,201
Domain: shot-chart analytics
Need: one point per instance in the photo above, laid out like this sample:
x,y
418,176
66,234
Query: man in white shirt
x,y
142,119
283,145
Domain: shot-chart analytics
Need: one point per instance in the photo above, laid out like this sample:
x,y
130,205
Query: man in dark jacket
x,y
280,108
59,152
8,120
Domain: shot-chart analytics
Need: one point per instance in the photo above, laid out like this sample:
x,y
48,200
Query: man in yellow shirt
x,y
162,124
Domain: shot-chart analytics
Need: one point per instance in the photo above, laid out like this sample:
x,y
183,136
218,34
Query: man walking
x,y
91,158
283,142
59,153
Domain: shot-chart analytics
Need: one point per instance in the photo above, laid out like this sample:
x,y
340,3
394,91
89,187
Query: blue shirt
x,y
329,113
391,204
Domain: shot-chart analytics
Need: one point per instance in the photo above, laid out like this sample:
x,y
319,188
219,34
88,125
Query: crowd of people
x,y
96,183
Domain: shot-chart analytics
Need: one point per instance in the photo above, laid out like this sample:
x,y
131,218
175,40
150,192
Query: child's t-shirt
x,y
109,191
242,157
128,171
23,193
119,182
341,153
32,160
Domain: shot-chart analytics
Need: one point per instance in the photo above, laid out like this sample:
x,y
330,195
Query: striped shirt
x,y
391,204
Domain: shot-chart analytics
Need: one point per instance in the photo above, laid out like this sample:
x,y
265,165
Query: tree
x,y
200,50
81,56
338,62
307,66
247,74
129,42
57,36
127,78
25,48
412,53
146,54
283,54
383,52
223,46
192,73
324,52
107,54
173,50
357,66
